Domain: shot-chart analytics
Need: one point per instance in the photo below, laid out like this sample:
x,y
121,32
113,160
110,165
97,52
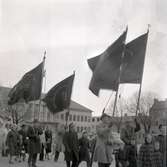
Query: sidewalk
x,y
46,163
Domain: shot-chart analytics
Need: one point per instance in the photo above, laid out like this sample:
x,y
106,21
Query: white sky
x,y
72,31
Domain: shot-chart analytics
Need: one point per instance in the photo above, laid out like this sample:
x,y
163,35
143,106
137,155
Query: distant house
x,y
158,113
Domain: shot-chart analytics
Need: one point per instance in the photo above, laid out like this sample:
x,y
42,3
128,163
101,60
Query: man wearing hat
x,y
70,141
34,145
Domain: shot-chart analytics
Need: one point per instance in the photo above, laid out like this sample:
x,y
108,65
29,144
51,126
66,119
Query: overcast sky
x,y
72,31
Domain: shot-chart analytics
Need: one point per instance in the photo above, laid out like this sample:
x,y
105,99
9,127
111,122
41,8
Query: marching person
x,y
43,142
162,138
71,144
84,146
128,133
146,153
58,141
11,143
103,148
48,139
158,158
34,146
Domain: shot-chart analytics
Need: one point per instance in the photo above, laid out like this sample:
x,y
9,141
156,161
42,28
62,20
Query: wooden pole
x,y
68,109
119,77
140,88
43,70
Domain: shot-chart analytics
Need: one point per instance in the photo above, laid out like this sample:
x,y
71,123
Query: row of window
x,y
71,117
80,129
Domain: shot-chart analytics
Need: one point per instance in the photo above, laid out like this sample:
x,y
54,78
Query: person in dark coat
x,y
23,134
146,153
132,154
71,145
11,143
128,133
84,146
158,159
34,144
48,139
121,157
162,138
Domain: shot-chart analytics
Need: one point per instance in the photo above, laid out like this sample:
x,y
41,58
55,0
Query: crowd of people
x,y
33,142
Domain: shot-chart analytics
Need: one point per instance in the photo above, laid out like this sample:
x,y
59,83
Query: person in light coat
x,y
105,142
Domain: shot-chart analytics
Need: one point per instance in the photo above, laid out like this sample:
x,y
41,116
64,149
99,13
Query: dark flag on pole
x,y
106,67
29,87
133,62
59,97
92,62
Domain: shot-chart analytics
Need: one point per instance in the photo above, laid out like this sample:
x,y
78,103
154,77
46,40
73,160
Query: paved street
x,y
47,163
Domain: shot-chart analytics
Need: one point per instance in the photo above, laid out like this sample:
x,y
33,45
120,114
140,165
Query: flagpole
x,y
119,77
68,110
140,88
42,83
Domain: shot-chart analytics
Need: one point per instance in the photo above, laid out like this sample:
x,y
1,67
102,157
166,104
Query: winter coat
x,y
84,150
146,156
103,148
121,157
132,156
48,138
163,148
11,142
70,141
34,144
158,159
59,142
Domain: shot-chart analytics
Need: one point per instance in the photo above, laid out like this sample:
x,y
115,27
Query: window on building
x,y
74,117
98,119
86,118
81,128
78,118
89,119
93,119
70,117
62,116
81,118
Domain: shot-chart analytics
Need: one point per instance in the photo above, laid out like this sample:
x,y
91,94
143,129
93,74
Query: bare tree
x,y
146,102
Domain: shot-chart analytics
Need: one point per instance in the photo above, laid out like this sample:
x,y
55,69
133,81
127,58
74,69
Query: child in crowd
x,y
132,154
146,153
158,161
121,157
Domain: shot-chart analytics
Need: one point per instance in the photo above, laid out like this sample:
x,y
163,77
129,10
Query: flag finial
x,y
149,25
44,57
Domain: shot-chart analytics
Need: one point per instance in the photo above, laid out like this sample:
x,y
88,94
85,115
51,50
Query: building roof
x,y
159,105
